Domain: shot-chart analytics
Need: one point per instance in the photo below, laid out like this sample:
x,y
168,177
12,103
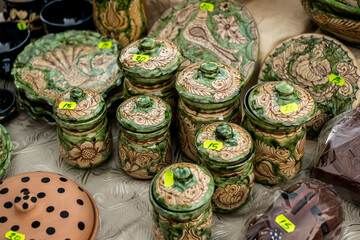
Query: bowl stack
x,y
5,149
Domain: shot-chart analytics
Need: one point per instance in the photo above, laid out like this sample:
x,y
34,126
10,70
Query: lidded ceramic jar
x,y
229,162
209,92
181,198
84,134
144,136
44,205
6,149
276,114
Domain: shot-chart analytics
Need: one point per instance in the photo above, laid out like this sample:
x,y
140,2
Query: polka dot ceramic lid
x,y
43,205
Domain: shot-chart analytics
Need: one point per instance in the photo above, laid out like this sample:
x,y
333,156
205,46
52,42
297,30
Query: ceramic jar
x,y
123,20
7,105
275,116
144,136
181,198
230,163
209,92
84,135
6,149
44,205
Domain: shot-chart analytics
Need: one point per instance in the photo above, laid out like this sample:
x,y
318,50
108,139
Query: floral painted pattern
x,y
87,154
228,29
231,196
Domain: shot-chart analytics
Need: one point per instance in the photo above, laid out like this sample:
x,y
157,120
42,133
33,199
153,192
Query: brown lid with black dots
x,y
43,205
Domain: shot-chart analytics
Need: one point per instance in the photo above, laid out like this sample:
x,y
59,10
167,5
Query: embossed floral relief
x,y
112,19
37,81
228,29
318,120
230,197
87,154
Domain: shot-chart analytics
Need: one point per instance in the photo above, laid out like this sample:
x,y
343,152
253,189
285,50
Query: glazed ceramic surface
x,y
6,149
354,3
7,105
279,136
58,62
231,166
228,33
176,213
123,20
308,60
44,205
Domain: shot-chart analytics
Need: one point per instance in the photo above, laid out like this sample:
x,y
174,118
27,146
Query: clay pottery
x,y
354,3
44,205
6,149
275,116
7,105
144,136
181,198
124,21
230,163
84,134
209,92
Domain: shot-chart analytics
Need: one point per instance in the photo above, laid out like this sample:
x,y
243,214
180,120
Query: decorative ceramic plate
x,y
314,62
58,62
228,33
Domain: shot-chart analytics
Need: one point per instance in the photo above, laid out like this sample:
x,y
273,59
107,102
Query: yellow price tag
x,y
140,58
289,108
168,179
207,6
213,145
21,26
285,223
104,45
67,105
14,235
336,79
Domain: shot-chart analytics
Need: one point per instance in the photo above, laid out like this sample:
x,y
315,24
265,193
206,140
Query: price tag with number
x,y
336,79
14,236
168,179
140,58
285,223
289,108
213,145
104,45
21,26
207,6
67,105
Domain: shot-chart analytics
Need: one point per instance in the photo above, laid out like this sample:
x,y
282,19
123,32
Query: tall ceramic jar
x,y
181,198
276,114
84,135
144,137
227,151
209,92
123,20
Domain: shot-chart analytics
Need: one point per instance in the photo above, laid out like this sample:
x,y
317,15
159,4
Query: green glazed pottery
x,y
181,198
57,62
122,20
225,32
84,134
312,61
209,92
230,163
144,136
354,3
275,116
6,149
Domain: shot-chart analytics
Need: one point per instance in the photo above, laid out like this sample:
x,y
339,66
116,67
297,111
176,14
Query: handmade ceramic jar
x,y
230,163
5,149
181,198
44,205
144,136
84,135
275,116
209,92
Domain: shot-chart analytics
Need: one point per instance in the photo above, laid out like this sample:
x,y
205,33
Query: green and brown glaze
x,y
279,137
122,20
144,136
307,61
182,210
231,166
227,34
84,134
6,149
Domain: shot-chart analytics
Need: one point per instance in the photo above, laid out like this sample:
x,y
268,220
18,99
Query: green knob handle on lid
x,y
77,94
143,102
183,174
147,44
224,131
284,88
209,68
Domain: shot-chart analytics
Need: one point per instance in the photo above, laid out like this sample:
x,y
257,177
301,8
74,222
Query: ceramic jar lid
x,y
233,144
44,205
144,114
79,109
208,84
280,103
182,190
150,61
5,149
7,105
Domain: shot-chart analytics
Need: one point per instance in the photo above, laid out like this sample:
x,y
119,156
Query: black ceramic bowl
x,y
12,42
7,105
61,15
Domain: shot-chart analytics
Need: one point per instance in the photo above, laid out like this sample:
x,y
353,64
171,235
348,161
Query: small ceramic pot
x,y
209,92
276,114
84,134
144,137
7,105
6,149
44,205
181,198
229,163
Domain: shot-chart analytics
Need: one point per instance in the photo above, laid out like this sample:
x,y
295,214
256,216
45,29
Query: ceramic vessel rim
x,y
20,44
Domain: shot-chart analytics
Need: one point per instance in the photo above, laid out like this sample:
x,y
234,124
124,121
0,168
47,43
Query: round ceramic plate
x,y
226,32
315,62
61,61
